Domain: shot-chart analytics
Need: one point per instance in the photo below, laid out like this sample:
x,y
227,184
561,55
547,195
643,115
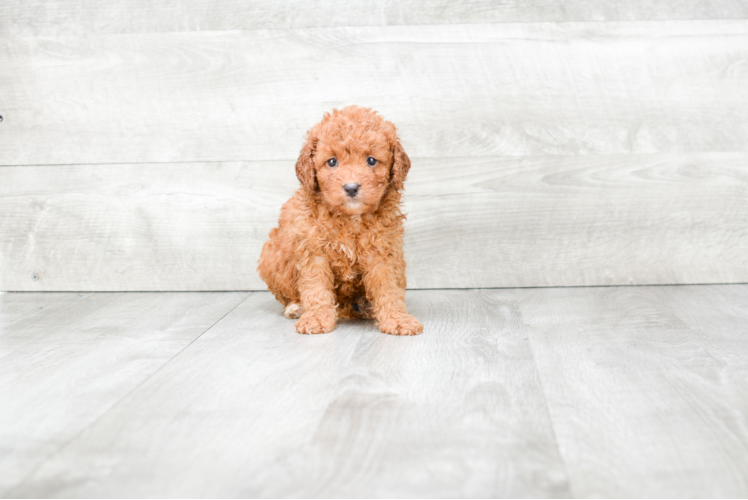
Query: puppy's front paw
x,y
316,322
400,324
293,311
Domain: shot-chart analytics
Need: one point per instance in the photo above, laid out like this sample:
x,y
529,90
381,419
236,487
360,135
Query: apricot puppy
x,y
338,249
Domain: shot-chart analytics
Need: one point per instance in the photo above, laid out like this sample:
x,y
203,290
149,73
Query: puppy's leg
x,y
317,297
388,300
277,267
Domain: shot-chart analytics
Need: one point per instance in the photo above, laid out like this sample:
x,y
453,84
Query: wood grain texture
x,y
249,392
26,318
253,409
78,17
643,404
602,392
20,310
453,414
721,325
473,222
68,364
453,90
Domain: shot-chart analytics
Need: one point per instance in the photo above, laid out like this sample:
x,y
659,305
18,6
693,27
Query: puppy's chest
x,y
344,253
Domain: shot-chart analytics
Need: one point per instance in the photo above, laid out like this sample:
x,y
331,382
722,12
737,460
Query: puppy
x,y
338,249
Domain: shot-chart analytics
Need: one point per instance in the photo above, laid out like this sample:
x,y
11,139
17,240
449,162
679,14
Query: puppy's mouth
x,y
354,206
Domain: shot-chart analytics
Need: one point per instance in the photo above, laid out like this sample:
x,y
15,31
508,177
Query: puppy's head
x,y
352,158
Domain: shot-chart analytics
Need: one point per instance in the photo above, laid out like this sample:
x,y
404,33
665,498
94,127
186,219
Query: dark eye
x,y
371,161
332,162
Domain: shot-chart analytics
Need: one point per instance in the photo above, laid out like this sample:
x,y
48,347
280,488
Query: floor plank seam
x,y
549,413
542,287
9,493
343,374
292,160
394,25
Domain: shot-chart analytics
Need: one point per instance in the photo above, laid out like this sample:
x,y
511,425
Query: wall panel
x,y
473,222
81,17
458,90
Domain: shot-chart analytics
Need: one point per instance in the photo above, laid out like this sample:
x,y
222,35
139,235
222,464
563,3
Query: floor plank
x,y
534,221
262,411
453,90
79,17
65,368
643,404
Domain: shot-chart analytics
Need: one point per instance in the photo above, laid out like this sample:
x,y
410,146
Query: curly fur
x,y
337,256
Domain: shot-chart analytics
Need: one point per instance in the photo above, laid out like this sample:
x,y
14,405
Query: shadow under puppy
x,y
338,247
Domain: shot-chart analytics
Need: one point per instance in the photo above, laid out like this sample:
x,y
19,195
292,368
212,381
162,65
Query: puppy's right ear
x,y
305,164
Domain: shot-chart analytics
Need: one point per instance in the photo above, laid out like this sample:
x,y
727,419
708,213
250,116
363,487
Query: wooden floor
x,y
559,392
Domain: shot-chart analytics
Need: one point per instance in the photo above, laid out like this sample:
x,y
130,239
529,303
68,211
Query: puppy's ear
x,y
400,165
305,164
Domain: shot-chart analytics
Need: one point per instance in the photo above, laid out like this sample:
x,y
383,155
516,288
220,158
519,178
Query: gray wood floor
x,y
560,392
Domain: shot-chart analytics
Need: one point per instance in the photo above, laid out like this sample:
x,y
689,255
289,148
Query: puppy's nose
x,y
351,189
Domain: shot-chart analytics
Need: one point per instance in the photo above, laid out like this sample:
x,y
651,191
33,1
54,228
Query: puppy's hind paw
x,y
401,324
293,311
319,322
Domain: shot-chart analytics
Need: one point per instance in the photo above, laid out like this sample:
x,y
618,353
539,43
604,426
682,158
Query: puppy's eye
x,y
371,161
332,162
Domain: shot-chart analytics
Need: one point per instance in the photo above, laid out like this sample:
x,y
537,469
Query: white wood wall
x,y
149,147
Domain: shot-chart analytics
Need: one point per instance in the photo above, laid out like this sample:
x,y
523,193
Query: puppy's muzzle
x,y
351,189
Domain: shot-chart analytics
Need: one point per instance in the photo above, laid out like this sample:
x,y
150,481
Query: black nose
x,y
351,189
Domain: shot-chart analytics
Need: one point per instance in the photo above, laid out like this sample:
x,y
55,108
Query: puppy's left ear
x,y
400,165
